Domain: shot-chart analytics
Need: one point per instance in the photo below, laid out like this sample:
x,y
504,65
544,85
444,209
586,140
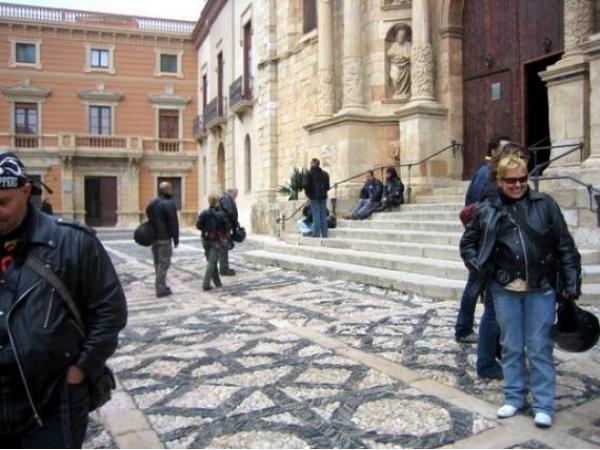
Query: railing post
x,y
597,198
333,206
536,183
409,187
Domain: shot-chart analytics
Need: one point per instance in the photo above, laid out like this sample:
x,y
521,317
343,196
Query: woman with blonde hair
x,y
520,244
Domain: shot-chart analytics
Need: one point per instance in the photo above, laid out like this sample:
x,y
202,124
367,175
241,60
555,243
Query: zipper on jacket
x,y
47,319
36,415
522,244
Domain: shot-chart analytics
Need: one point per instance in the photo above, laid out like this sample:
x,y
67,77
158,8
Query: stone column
x,y
352,71
325,27
568,85
592,51
421,73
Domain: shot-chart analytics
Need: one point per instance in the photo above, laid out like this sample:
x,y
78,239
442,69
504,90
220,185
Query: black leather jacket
x,y
542,252
394,190
162,215
229,207
44,337
372,190
316,183
213,224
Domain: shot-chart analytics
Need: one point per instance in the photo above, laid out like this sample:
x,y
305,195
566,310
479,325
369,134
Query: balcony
x,y
199,129
240,97
94,146
213,116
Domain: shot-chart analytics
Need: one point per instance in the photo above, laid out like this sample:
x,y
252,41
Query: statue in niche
x,y
398,54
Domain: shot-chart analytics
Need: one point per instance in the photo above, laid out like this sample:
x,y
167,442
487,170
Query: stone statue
x,y
398,54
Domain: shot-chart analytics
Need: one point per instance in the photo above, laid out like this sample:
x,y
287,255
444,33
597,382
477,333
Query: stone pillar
x,y
592,51
325,27
128,214
421,72
568,85
352,100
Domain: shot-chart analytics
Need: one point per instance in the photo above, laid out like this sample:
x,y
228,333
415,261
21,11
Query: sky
x,y
168,9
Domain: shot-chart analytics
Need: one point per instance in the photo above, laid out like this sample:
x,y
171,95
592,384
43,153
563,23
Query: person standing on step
x,y
162,215
316,186
229,207
480,187
213,224
370,198
520,244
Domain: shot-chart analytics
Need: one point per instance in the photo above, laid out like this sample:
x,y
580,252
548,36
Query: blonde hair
x,y
512,156
213,200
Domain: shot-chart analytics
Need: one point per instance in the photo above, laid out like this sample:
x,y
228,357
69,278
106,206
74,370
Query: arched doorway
x,y
221,168
504,49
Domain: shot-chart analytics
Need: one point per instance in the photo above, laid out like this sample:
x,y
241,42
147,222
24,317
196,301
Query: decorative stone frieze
x,y
422,71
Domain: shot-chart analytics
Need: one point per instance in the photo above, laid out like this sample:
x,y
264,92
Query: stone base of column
x,y
128,219
423,132
568,101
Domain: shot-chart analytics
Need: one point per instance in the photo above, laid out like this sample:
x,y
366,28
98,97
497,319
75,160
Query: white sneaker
x,y
506,411
542,420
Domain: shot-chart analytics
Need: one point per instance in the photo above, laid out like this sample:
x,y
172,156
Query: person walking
x,y
229,207
316,185
52,273
162,215
519,242
213,224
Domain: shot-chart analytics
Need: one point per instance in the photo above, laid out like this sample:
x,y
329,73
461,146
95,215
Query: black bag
x,y
239,235
144,234
100,389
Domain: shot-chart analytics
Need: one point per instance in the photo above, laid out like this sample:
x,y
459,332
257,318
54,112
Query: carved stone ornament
x,y
325,89
352,81
422,71
169,97
579,16
25,91
100,93
398,54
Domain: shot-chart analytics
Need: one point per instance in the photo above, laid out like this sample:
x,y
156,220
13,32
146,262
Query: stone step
x,y
426,266
424,216
436,251
426,237
427,207
428,286
401,225
591,273
442,252
434,198
451,190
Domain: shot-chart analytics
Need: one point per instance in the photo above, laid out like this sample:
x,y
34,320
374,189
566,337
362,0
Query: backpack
x,y
100,390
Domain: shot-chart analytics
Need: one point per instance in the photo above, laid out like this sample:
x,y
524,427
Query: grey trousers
x,y
224,260
162,252
212,250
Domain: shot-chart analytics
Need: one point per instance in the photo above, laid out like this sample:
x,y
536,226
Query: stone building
x,y
359,83
100,108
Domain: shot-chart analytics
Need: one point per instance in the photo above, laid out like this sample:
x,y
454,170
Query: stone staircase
x,y
414,250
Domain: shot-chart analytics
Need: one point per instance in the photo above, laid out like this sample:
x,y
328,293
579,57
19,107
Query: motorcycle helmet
x,y
576,330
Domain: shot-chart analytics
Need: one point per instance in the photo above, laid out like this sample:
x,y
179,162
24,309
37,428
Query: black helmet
x,y
239,235
576,330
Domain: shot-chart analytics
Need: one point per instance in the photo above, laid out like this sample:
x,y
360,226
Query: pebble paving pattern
x,y
220,370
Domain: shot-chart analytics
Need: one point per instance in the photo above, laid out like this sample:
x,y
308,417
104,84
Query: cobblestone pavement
x,y
278,359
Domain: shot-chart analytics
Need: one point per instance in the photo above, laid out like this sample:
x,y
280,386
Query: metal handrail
x,y
454,146
541,166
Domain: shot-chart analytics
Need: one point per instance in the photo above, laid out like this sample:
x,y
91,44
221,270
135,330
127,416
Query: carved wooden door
x,y
500,37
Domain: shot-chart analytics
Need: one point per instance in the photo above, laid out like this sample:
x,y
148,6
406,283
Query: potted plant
x,y
295,184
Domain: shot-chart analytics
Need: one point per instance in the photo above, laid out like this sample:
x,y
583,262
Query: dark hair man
x,y
316,185
47,362
162,215
229,207
370,198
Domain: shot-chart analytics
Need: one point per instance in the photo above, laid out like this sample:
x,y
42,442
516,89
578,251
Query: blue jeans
x,y
525,320
318,209
488,344
466,312
65,422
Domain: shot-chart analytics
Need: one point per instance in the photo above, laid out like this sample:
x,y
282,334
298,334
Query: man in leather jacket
x,y
229,207
162,215
370,198
316,185
47,362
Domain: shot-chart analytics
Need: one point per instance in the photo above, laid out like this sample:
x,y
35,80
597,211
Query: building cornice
x,y
342,119
25,90
209,14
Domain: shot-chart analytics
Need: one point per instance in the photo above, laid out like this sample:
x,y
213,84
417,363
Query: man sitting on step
x,y
370,198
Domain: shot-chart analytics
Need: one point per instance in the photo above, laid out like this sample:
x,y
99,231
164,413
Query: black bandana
x,y
12,172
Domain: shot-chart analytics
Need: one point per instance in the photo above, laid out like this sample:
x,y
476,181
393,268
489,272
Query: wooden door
x,y
500,37
101,201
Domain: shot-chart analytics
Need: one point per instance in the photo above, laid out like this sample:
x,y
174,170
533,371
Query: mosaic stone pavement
x,y
282,359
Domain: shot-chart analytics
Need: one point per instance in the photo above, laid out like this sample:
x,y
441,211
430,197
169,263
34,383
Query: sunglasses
x,y
515,180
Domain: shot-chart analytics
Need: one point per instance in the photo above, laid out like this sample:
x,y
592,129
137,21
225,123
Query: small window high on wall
x,y
309,15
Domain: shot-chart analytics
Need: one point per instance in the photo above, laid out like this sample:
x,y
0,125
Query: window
x,y
248,80
204,94
168,130
25,53
220,84
175,182
168,63
100,120
26,122
99,58
309,15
